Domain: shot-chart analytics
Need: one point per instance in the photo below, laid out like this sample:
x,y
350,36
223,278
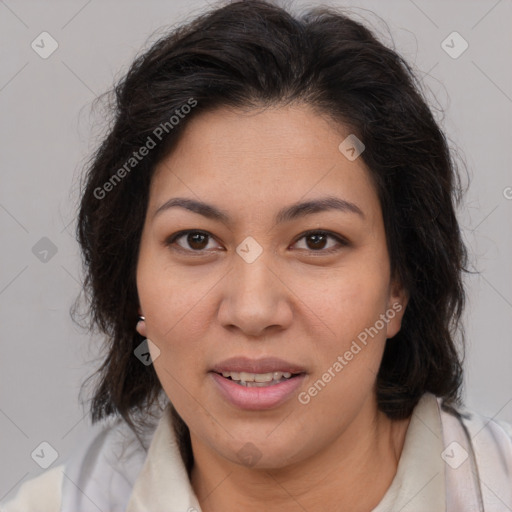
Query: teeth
x,y
257,377
258,384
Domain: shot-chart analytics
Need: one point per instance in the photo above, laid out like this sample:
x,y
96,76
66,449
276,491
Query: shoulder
x,y
491,439
40,493
478,456
484,431
101,469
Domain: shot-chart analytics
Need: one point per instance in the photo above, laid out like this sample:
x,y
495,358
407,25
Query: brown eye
x,y
197,240
191,241
318,241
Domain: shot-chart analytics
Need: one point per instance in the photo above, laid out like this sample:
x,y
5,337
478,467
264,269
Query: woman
x,y
271,249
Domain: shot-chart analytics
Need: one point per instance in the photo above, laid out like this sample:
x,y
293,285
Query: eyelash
x,y
343,242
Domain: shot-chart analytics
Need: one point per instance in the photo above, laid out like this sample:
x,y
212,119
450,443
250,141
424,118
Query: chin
x,y
258,452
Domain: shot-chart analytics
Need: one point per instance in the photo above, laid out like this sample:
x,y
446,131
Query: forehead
x,y
284,133
262,158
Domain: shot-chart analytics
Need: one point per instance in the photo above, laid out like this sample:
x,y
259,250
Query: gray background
x,y
47,133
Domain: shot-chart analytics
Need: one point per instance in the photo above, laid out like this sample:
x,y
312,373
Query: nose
x,y
255,300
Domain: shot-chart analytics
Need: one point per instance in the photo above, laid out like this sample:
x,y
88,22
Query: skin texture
x,y
296,301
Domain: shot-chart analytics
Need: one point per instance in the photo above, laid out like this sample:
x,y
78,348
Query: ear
x,y
397,302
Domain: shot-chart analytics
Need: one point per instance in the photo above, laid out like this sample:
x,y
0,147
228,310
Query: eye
x,y
200,241
196,241
317,241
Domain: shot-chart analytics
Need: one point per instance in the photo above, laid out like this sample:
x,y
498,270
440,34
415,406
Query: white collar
x,y
163,482
419,483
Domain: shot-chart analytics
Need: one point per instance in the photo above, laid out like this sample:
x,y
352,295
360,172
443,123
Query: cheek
x,y
353,301
171,321
351,305
348,360
171,297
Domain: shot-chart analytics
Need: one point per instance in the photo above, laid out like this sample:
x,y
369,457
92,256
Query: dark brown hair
x,y
252,54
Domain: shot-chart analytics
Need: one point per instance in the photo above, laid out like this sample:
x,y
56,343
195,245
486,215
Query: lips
x,y
264,365
255,396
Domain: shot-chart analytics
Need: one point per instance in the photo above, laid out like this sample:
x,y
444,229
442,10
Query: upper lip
x,y
263,365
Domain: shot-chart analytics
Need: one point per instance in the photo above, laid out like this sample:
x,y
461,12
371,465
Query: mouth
x,y
257,384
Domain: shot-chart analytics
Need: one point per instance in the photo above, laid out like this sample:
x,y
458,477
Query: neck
x,y
352,473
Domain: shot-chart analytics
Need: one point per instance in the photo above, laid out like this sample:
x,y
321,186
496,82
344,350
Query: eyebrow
x,y
292,212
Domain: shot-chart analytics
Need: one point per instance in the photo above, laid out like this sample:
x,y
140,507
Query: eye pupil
x,y
196,240
318,241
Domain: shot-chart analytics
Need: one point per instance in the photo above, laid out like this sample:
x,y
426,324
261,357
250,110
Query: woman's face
x,y
260,277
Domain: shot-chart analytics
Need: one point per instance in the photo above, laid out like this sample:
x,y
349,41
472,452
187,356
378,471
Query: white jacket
x,y
448,463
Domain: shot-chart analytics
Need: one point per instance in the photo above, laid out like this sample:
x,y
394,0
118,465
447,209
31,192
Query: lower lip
x,y
257,398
